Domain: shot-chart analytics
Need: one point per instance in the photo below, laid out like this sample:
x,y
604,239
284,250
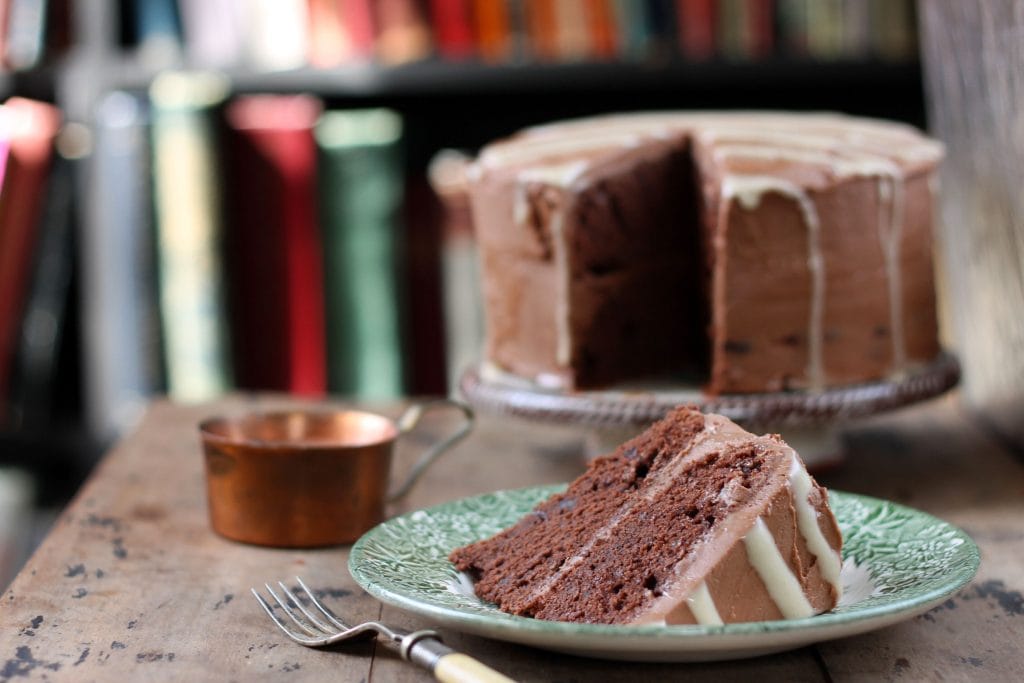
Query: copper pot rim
x,y
208,429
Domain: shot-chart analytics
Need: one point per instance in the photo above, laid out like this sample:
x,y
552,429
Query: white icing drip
x,y
702,605
807,520
563,333
561,175
748,190
521,205
890,236
782,585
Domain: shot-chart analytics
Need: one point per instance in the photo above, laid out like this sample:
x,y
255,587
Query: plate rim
x,y
683,637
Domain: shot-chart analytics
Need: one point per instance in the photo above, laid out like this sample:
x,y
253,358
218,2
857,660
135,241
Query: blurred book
x,y
604,33
187,194
274,258
30,127
357,20
360,188
542,30
24,26
452,22
825,29
696,28
276,34
791,25
17,495
493,26
403,31
120,317
631,18
156,31
423,330
463,301
214,31
746,29
35,378
572,30
893,25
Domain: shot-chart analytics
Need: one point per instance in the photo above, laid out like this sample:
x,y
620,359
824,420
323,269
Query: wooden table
x,y
131,584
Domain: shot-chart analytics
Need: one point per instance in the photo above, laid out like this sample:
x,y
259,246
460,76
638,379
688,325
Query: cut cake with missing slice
x,y
693,521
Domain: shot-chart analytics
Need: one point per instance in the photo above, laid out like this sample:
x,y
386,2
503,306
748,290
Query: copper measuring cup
x,y
310,478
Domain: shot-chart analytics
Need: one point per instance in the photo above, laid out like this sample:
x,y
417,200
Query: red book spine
x,y
31,127
761,15
357,21
453,31
696,19
274,256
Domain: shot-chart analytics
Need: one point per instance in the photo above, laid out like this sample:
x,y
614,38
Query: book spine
x,y
361,180
572,30
631,16
274,256
403,32
31,127
276,34
825,29
119,313
542,28
25,33
696,22
213,31
34,387
158,37
493,30
357,20
453,28
604,35
328,42
189,234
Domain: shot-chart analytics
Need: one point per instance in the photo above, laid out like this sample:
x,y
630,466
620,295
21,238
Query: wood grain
x,y
132,584
973,57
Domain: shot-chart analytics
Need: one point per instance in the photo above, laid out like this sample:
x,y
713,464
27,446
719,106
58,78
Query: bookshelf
x,y
443,103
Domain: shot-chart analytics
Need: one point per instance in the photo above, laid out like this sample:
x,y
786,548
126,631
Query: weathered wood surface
x,y
131,584
973,57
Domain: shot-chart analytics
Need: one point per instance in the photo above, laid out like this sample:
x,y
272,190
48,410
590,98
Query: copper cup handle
x,y
408,421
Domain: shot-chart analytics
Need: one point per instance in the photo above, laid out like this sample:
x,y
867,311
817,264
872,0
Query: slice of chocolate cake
x,y
693,521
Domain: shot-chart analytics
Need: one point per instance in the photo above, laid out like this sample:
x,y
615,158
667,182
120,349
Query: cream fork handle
x,y
460,668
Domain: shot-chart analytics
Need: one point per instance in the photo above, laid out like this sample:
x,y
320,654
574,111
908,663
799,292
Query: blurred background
x,y
204,196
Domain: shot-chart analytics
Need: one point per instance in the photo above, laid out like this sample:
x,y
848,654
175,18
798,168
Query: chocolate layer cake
x,y
693,521
748,252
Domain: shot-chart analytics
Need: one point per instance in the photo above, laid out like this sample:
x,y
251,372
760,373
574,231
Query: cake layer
x,y
695,520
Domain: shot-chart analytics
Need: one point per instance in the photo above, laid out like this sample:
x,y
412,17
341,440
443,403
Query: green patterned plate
x,y
898,563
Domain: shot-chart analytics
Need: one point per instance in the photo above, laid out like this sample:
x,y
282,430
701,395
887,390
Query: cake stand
x,y
809,421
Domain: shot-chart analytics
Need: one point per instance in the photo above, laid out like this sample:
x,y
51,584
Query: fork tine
x,y
294,617
280,624
326,612
309,615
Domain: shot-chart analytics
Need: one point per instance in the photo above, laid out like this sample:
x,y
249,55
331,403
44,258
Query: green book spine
x,y
361,193
187,208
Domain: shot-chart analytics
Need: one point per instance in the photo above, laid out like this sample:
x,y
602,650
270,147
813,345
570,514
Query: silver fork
x,y
319,627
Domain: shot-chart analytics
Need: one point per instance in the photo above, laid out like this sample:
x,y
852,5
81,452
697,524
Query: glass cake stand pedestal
x,y
809,421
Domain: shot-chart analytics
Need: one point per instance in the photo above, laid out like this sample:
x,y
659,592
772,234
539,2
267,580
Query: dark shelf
x,y
446,78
